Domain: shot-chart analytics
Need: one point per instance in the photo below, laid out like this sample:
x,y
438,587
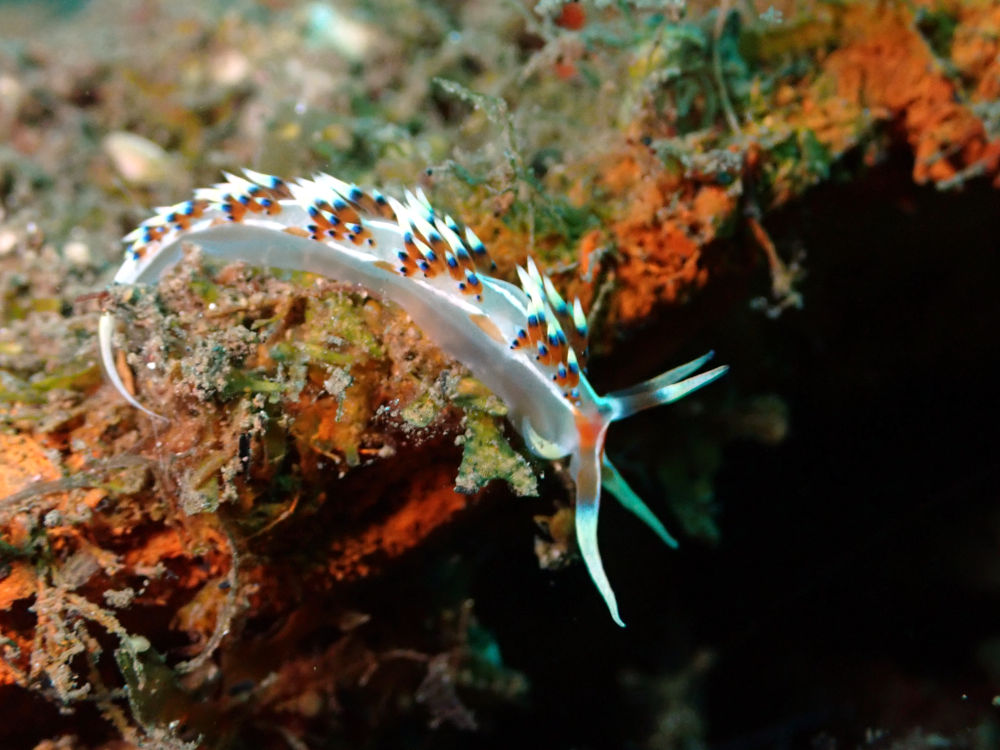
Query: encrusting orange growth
x,y
658,224
882,70
331,428
667,220
975,49
89,558
22,462
888,67
430,503
19,584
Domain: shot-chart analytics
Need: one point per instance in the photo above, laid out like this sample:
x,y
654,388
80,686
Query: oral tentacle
x,y
669,377
106,329
615,483
619,406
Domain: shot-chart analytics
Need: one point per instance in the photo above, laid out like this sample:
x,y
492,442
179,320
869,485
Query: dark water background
x,y
855,587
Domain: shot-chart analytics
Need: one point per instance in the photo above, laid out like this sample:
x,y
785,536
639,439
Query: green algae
x,y
487,455
17,390
422,411
339,319
71,376
74,375
250,383
471,395
152,687
202,490
533,205
304,351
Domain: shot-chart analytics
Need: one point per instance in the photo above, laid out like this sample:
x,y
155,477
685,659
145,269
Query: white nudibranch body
x,y
525,343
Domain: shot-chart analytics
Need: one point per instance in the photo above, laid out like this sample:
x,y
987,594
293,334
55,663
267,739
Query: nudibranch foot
x,y
526,343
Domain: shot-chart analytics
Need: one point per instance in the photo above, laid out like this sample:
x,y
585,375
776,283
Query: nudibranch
x,y
525,343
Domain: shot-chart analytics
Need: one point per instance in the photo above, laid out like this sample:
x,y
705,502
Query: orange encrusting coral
x,y
882,69
886,67
332,428
22,462
430,502
19,584
975,49
666,220
659,220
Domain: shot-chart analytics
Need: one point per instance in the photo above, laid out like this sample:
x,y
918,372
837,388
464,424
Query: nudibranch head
x,y
527,343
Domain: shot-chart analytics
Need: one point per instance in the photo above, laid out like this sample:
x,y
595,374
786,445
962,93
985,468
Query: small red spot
x,y
565,70
572,16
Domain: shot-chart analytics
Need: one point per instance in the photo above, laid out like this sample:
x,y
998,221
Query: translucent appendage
x,y
588,502
105,335
624,406
615,484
